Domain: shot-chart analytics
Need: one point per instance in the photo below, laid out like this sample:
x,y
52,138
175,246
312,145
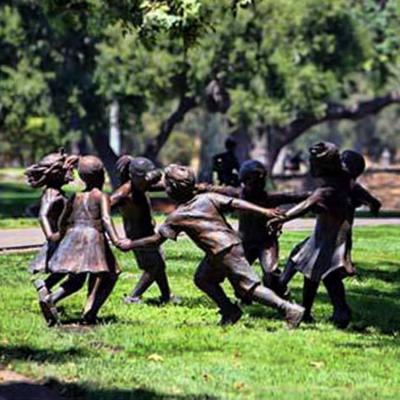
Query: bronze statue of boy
x,y
201,217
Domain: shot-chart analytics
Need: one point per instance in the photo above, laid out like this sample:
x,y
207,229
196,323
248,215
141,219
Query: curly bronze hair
x,y
53,168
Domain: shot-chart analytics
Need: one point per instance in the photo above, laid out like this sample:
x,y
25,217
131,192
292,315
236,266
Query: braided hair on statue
x,y
122,166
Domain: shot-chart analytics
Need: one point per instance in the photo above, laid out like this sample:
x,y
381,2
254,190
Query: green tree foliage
x,y
290,62
287,64
55,66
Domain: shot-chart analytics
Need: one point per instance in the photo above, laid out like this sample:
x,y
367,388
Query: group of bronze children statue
x,y
77,230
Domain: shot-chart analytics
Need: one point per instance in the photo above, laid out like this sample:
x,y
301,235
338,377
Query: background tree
x,y
286,66
293,65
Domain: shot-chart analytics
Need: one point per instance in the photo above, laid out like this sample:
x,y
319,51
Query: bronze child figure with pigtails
x,y
84,249
52,173
352,166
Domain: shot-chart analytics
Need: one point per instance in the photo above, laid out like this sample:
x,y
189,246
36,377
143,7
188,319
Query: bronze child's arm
x,y
47,201
364,197
243,205
155,241
299,209
119,194
107,220
63,220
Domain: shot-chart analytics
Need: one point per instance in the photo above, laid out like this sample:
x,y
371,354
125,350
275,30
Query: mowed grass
x,y
178,352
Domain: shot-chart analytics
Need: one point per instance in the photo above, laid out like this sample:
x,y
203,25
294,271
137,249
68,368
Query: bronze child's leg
x,y
336,291
69,287
100,288
208,280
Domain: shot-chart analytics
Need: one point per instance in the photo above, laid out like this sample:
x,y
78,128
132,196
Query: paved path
x,y
30,238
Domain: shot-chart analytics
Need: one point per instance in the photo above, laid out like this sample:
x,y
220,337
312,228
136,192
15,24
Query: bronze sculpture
x,y
200,216
353,165
137,176
83,248
259,242
325,255
52,172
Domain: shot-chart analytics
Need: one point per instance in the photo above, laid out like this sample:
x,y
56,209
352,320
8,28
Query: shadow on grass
x,y
367,270
55,390
373,309
11,352
184,301
109,319
367,343
16,198
14,208
89,392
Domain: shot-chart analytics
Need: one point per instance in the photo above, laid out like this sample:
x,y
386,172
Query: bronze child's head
x,y
325,160
179,182
143,173
253,176
91,171
353,163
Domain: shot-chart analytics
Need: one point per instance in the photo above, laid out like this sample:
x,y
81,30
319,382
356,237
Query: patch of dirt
x,y
386,187
14,386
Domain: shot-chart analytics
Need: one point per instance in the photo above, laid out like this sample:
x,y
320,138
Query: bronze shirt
x,y
202,219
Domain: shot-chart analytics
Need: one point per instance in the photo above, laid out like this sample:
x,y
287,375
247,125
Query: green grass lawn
x,y
178,352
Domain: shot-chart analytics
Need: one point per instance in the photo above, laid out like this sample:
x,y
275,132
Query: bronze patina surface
x,y
201,217
137,176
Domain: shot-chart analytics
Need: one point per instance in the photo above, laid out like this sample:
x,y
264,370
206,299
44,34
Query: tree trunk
x,y
212,142
279,164
107,155
154,147
115,133
274,144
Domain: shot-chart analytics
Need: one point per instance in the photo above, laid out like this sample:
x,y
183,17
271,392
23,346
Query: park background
x,y
171,80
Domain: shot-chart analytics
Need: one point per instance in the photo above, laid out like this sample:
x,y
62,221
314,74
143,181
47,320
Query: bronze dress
x,y
328,248
359,196
56,200
84,248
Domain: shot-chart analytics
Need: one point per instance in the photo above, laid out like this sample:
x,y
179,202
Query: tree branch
x,y
280,136
154,147
336,112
